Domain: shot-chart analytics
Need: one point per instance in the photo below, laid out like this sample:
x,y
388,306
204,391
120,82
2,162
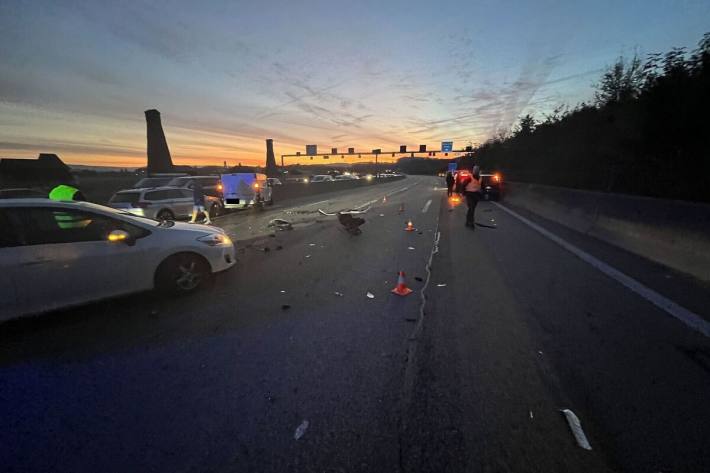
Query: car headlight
x,y
215,239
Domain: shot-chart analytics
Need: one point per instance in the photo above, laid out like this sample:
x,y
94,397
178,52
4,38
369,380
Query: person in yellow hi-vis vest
x,y
65,220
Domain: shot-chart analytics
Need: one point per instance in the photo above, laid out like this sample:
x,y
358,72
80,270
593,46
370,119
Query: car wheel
x,y
165,214
182,273
215,210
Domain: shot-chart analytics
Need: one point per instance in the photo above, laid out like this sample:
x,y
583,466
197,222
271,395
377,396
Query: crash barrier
x,y
292,190
671,232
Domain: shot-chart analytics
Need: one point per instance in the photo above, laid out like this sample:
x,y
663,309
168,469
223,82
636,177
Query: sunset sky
x,y
75,77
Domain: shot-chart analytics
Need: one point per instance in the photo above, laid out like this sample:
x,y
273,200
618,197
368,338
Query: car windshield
x,y
179,181
182,295
125,198
152,182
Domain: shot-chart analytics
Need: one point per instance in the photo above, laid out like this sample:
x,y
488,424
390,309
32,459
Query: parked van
x,y
245,189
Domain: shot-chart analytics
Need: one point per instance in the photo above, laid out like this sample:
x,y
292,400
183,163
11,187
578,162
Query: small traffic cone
x,y
384,199
401,208
401,288
409,227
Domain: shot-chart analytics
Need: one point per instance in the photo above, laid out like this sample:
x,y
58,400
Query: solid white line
x,y
689,318
426,206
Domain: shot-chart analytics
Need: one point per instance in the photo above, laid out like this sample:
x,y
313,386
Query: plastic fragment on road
x,y
300,430
441,285
576,427
417,278
531,415
410,248
280,224
283,292
339,294
285,307
311,244
370,295
382,215
308,256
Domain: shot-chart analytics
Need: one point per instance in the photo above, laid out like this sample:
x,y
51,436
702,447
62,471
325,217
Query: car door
x,y
66,258
184,200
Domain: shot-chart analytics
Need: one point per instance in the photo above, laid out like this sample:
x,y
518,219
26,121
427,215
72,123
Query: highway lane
x,y
525,328
270,370
222,380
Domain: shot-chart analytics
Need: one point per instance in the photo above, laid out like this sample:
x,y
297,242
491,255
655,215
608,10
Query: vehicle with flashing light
x,y
211,185
320,178
246,189
491,186
60,254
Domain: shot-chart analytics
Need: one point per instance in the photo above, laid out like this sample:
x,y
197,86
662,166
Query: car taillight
x,y
496,177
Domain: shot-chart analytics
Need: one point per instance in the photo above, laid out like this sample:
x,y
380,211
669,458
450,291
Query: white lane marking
x,y
397,191
426,206
689,318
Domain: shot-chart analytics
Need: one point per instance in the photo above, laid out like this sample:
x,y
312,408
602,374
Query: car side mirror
x,y
121,236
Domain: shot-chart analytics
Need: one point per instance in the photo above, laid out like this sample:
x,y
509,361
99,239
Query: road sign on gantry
x,y
311,149
447,146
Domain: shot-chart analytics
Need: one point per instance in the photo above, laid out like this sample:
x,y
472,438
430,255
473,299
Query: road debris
x,y
382,215
285,307
280,224
576,427
441,285
308,256
531,415
410,248
339,294
311,244
370,295
300,430
283,292
279,247
266,249
417,278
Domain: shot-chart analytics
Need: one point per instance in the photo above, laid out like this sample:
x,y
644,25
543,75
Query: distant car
x,y
273,181
491,186
153,182
211,185
60,254
347,177
22,193
321,178
162,203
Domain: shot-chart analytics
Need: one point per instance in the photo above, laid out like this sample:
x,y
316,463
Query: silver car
x,y
161,203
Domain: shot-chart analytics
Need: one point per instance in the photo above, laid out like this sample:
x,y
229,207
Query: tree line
x,y
647,132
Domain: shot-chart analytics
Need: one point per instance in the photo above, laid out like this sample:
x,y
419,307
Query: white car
x,y
59,254
321,178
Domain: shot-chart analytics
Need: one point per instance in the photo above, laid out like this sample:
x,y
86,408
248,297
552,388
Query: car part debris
x,y
417,278
410,248
281,224
441,285
300,430
339,294
285,307
370,295
576,427
346,219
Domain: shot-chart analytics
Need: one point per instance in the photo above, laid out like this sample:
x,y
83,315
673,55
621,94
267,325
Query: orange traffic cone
x,y
409,227
401,288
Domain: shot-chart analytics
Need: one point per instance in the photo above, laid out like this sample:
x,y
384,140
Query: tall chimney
x,y
159,159
271,170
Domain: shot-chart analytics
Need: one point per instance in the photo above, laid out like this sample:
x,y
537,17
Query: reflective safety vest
x,y
63,192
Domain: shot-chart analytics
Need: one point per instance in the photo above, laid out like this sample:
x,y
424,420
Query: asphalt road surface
x,y
285,364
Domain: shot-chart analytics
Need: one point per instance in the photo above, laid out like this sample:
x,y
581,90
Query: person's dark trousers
x,y
472,199
449,190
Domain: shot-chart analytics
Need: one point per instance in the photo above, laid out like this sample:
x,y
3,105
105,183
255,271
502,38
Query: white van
x,y
244,189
